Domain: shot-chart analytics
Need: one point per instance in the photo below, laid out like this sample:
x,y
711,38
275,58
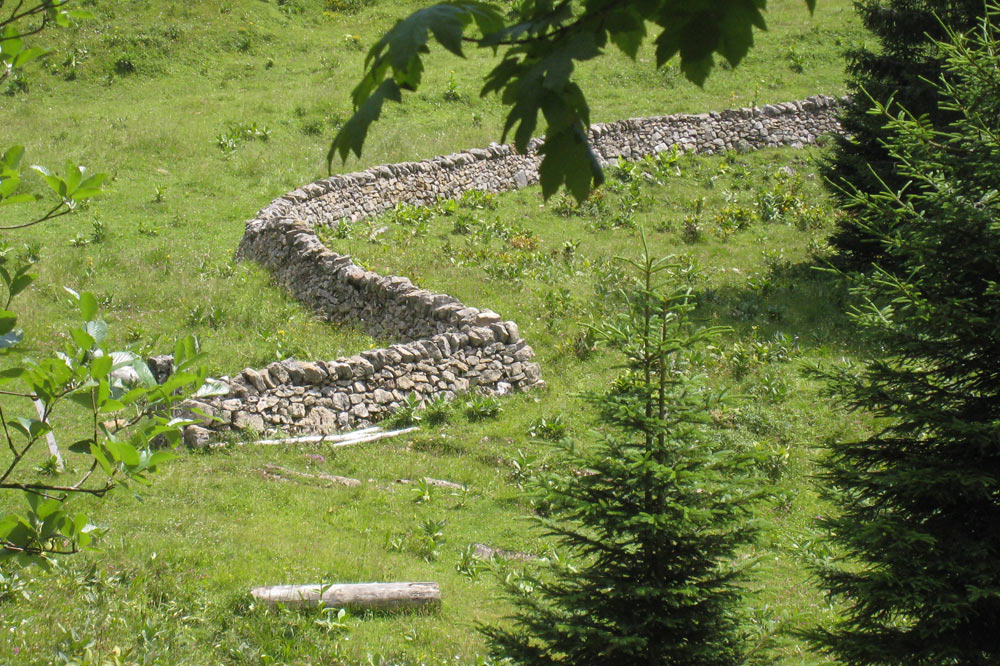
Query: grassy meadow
x,y
203,112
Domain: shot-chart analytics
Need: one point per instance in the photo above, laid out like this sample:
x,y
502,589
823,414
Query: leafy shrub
x,y
238,133
438,410
408,413
553,428
732,218
480,407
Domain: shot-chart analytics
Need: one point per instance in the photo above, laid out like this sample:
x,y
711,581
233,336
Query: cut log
x,y
375,596
359,437
277,470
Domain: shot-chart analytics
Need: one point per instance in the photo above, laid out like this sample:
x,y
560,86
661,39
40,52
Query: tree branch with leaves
x,y
129,415
539,45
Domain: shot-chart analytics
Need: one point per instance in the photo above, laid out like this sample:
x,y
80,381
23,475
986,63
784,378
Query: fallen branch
x,y
484,552
366,435
276,470
435,482
317,439
376,596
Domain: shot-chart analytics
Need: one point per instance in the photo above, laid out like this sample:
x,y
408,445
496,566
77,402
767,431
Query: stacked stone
x,y
322,397
500,168
793,124
335,287
447,348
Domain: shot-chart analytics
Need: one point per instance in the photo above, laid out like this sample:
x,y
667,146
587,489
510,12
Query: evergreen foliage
x,y
903,68
920,522
655,512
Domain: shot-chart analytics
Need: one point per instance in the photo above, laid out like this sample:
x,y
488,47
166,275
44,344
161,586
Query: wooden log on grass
x,y
277,470
359,596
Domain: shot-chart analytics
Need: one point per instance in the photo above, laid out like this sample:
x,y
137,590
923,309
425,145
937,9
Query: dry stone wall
x,y
500,168
445,348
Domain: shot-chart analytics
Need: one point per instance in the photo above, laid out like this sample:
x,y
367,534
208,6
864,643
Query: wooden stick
x,y
378,596
435,482
50,439
310,439
319,439
284,471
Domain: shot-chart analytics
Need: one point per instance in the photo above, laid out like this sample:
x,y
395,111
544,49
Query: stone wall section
x,y
445,348
499,168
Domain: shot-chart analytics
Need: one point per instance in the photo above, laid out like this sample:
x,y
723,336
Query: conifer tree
x,y
919,526
902,67
653,513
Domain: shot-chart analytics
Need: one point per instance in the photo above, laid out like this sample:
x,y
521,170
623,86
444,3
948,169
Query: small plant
x,y
523,467
451,93
49,467
99,233
353,42
238,133
551,428
463,494
332,620
408,413
782,200
438,410
431,538
772,387
583,343
463,224
691,230
290,7
340,230
347,6
211,316
423,491
557,304
12,584
395,543
796,61
732,218
524,240
415,219
478,199
31,253
147,230
469,565
480,407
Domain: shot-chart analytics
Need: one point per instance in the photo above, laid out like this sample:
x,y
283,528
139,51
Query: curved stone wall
x,y
445,347
499,167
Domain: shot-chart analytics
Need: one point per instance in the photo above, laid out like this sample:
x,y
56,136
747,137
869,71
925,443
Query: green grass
x,y
170,583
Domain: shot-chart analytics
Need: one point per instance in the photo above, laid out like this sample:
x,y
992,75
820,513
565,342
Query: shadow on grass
x,y
799,300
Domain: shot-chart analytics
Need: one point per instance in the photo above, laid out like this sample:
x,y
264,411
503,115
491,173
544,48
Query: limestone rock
x,y
248,421
196,437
